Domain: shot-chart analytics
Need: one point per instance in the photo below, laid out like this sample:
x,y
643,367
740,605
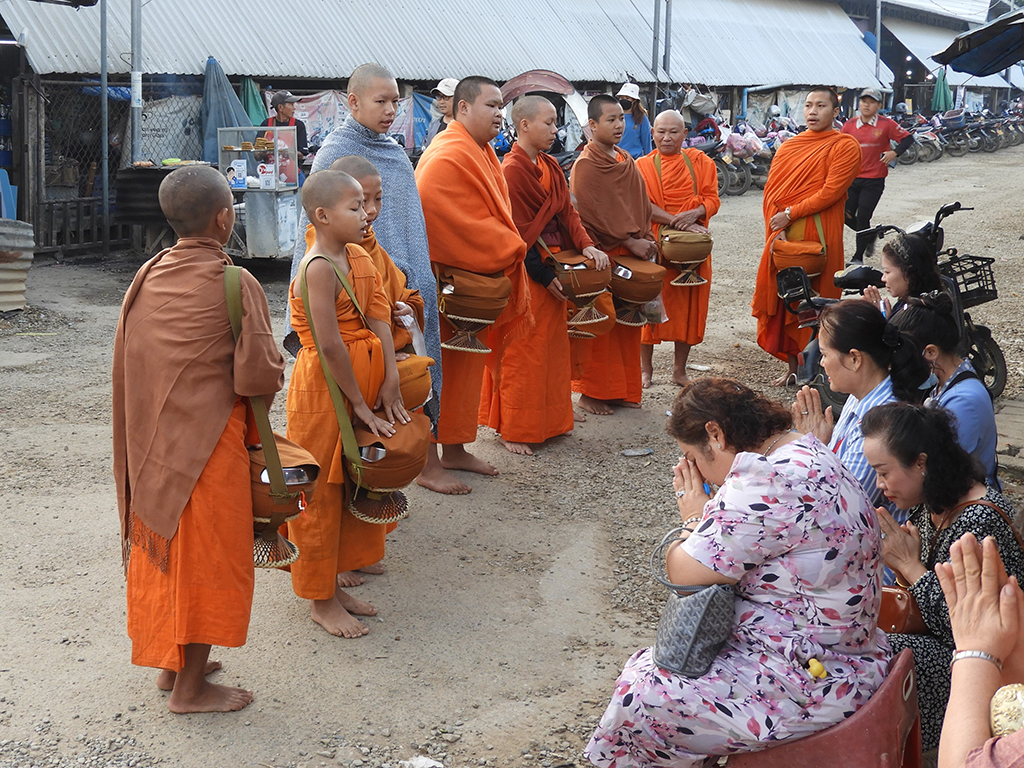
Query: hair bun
x,y
938,301
891,336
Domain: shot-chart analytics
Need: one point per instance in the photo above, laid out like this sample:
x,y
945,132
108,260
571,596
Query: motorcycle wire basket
x,y
973,277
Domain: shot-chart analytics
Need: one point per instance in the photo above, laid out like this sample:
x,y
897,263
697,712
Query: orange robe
x,y
329,538
673,192
470,226
527,399
810,174
394,282
612,202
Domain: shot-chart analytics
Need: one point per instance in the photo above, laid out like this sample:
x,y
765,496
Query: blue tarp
x,y
421,117
221,109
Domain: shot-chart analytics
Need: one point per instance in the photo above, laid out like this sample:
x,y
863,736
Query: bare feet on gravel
x,y
519,449
332,616
646,377
681,381
354,605
646,365
624,404
457,457
784,380
578,417
350,579
436,478
377,569
165,680
192,692
596,407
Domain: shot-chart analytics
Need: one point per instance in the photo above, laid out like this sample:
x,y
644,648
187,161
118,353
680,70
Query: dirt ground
x,y
505,615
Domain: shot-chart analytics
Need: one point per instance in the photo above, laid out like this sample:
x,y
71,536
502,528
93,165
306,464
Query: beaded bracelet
x,y
976,655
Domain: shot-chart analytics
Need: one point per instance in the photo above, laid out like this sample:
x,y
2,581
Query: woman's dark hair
x,y
747,418
860,325
915,257
929,319
910,430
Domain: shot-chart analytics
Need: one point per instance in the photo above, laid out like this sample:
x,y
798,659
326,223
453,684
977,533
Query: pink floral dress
x,y
799,534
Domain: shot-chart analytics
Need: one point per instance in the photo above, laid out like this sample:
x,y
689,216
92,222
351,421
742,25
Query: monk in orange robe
x,y
612,202
470,226
180,433
527,399
810,174
361,358
684,201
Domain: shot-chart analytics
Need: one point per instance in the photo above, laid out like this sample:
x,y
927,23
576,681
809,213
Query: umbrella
x,y
988,49
252,102
221,108
942,98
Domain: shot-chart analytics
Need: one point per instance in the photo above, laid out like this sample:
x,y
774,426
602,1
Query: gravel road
x,y
505,616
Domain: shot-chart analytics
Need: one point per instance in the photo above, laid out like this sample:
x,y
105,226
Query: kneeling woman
x,y
922,467
794,531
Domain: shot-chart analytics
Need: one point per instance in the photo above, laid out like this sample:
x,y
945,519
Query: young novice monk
x,y
180,459
361,358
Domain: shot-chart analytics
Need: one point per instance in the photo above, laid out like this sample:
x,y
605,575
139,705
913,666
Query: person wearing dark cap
x,y
442,94
283,104
875,133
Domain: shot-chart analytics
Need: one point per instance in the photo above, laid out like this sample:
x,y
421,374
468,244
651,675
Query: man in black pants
x,y
875,133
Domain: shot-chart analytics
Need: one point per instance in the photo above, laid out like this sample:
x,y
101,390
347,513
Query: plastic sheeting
x,y
221,109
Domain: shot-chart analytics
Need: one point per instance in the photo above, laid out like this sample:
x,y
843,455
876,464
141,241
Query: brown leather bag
x,y
414,380
580,278
899,612
464,295
636,281
679,248
810,256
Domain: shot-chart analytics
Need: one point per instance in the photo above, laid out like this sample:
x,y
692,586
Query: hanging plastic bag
x,y
654,311
419,344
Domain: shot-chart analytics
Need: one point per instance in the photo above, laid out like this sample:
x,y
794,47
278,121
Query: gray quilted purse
x,y
693,627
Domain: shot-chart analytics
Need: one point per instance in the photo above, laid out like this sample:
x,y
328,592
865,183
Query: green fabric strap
x,y
821,233
278,487
349,445
689,164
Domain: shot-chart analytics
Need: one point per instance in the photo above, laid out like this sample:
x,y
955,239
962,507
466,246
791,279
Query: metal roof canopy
x,y
968,10
799,42
923,40
989,49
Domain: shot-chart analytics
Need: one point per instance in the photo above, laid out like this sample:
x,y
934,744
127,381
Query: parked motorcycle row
x,y
956,133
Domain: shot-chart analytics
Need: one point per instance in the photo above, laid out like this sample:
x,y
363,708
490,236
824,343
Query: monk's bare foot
x,y
681,381
165,680
578,417
353,605
645,378
519,449
332,616
436,478
783,380
209,697
623,404
350,579
377,569
457,457
596,407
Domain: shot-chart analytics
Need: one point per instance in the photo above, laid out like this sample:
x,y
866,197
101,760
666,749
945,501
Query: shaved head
x,y
670,117
356,166
595,108
469,88
528,107
832,95
325,189
192,196
364,76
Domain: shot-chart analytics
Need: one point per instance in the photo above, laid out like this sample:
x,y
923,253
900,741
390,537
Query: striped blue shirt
x,y
848,441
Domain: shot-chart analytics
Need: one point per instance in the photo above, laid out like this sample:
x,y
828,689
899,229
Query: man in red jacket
x,y
875,133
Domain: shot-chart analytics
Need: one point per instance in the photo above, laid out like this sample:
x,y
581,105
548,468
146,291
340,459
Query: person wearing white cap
x,y
442,94
636,139
875,133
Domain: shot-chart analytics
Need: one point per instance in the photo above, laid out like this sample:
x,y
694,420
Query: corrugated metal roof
x,y
750,42
715,42
923,40
968,10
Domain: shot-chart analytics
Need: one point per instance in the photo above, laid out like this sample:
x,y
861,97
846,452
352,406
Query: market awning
x,y
989,49
923,40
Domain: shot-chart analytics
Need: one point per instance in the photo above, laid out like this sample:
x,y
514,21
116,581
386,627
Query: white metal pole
x,y
105,129
136,80
878,40
654,54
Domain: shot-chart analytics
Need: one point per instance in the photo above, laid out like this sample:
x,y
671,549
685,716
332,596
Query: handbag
x,y
580,278
282,474
807,255
414,380
683,250
693,627
636,281
899,612
379,467
469,296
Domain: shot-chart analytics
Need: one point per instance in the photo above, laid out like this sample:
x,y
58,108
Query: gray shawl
x,y
400,228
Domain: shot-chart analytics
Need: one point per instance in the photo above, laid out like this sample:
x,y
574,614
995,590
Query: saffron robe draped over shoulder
x,y
392,280
180,462
612,201
673,192
527,399
470,226
329,538
810,174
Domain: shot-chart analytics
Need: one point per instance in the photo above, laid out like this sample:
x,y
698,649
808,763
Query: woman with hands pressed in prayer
x,y
909,269
986,612
922,469
794,533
